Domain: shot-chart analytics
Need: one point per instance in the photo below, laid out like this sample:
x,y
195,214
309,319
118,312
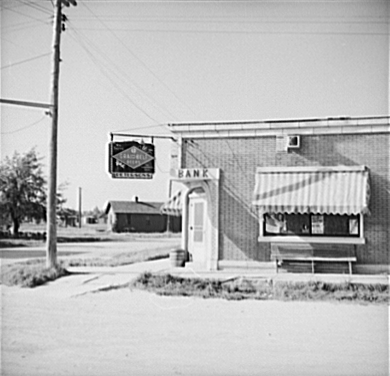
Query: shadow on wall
x,y
239,230
371,151
239,222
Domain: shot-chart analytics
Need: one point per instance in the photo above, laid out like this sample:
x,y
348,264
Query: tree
x,y
22,188
96,213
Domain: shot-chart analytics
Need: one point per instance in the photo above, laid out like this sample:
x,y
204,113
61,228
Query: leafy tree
x,y
96,212
23,188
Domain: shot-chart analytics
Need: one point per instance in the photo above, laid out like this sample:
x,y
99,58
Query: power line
x,y
36,6
18,45
103,71
25,61
112,64
246,21
245,32
25,15
138,128
19,26
140,60
23,128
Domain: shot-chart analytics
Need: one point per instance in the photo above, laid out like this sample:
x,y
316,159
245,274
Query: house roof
x,y
133,207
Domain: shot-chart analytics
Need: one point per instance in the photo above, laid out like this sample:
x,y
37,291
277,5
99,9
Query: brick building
x,y
255,187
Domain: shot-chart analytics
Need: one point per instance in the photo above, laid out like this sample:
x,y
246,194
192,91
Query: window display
x,y
311,224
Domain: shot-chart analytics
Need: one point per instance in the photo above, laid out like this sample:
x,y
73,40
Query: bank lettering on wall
x,y
190,174
131,160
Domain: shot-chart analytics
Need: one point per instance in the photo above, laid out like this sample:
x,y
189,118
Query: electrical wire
x,y
24,128
25,15
35,6
25,61
126,77
103,70
238,32
238,20
140,61
21,26
109,68
139,128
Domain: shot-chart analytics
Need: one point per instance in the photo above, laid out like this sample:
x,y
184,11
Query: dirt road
x,y
47,331
85,250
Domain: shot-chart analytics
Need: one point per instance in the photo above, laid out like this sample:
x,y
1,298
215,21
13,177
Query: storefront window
x,y
279,224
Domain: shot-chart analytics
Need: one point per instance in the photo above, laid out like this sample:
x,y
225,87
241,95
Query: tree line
x,y
23,190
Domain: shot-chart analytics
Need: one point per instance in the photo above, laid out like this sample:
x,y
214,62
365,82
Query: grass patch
x,y
34,273
30,274
31,235
168,285
119,259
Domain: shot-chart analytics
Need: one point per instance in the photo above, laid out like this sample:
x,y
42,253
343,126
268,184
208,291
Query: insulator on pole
x,y
68,2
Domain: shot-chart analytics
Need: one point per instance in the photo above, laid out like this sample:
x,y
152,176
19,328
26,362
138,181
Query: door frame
x,y
198,250
209,181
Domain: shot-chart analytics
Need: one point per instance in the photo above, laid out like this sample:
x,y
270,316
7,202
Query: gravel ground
x,y
51,330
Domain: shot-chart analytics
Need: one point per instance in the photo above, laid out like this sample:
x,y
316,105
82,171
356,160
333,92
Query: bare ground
x,y
51,331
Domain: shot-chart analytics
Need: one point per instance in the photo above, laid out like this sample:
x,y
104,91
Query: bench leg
x,y
312,266
350,267
277,266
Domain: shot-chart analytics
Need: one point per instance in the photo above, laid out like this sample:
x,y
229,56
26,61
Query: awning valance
x,y
326,190
174,205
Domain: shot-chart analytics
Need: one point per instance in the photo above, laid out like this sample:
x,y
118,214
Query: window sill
x,y
310,239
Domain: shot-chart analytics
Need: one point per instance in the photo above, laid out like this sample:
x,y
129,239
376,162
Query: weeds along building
x,y
318,187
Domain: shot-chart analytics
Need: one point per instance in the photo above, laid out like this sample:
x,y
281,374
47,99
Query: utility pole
x,y
80,208
169,197
51,243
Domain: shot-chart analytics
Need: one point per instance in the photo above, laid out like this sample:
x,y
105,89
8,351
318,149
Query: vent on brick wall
x,y
293,142
285,143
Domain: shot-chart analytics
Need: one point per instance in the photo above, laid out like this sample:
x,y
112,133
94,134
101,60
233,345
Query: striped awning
x,y
325,190
174,205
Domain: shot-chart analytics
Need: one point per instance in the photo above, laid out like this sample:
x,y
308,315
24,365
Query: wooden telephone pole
x,y
51,243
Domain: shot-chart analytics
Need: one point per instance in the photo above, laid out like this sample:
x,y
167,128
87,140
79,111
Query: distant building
x,y
90,220
67,217
138,216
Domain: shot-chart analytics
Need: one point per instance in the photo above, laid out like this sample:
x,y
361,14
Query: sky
x,y
136,66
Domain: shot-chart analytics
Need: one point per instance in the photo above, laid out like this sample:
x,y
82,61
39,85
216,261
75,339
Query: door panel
x,y
196,227
198,221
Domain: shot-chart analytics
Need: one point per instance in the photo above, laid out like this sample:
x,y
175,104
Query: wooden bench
x,y
313,253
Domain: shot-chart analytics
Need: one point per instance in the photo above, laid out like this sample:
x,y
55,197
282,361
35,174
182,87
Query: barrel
x,y
178,258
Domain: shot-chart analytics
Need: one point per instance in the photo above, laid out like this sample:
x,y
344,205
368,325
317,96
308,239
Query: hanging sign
x,y
131,160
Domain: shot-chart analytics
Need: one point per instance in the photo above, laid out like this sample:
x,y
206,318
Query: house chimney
x,y
135,198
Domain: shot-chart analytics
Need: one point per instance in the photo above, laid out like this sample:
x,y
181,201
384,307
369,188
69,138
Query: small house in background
x,y
67,217
138,216
90,220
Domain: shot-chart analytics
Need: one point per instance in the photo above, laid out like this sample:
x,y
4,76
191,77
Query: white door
x,y
196,227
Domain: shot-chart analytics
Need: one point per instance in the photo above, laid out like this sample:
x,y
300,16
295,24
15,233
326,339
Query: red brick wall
x,y
238,159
